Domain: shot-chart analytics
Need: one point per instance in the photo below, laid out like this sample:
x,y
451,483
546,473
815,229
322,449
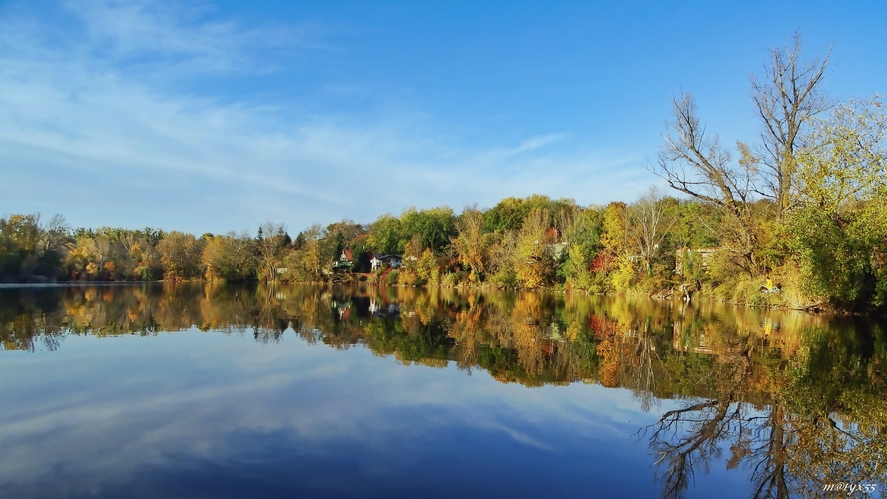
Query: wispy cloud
x,y
185,36
105,112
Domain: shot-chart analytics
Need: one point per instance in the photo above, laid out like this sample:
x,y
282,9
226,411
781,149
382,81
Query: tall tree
x,y
533,261
471,243
180,255
648,223
787,100
385,235
270,244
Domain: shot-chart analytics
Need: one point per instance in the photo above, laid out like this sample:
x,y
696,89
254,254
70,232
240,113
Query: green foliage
x,y
692,270
30,249
507,215
506,278
393,277
454,279
577,270
385,235
836,256
510,213
230,258
693,226
434,227
839,232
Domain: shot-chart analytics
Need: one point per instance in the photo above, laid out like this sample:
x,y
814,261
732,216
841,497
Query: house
x,y
383,309
704,254
558,249
393,261
345,261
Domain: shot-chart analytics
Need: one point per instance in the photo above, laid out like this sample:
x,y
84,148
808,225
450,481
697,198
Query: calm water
x,y
223,391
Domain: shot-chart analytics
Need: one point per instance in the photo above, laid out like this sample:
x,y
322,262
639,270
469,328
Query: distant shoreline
x,y
70,284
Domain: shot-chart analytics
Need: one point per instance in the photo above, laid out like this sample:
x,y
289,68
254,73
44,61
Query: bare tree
x,y
693,162
698,165
55,235
648,224
239,251
270,245
787,100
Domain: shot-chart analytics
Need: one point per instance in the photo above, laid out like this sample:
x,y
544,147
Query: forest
x,y
797,219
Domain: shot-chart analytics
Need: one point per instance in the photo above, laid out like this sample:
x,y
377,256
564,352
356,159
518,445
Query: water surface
x,y
232,391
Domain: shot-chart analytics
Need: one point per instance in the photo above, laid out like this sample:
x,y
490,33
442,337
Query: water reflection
x,y
795,402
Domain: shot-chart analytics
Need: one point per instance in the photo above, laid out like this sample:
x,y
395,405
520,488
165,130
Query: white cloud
x,y
102,114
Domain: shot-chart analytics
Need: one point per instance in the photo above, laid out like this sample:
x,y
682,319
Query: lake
x,y
196,390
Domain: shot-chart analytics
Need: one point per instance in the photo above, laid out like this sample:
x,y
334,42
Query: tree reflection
x,y
797,423
794,400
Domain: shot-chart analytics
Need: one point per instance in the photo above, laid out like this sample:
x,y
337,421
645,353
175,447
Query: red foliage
x,y
602,262
603,326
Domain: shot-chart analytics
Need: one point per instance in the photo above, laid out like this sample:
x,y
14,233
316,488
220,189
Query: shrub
x,y
505,278
454,279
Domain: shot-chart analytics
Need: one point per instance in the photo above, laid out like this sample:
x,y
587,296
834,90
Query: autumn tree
x,y
472,243
180,255
306,263
501,265
230,257
584,238
271,245
695,163
837,226
55,240
614,238
648,222
533,261
30,247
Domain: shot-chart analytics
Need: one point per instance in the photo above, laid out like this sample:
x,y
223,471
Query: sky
x,y
217,116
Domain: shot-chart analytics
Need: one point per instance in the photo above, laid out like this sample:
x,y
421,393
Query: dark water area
x,y
302,391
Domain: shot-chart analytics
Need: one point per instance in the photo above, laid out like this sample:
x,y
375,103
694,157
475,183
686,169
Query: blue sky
x,y
217,116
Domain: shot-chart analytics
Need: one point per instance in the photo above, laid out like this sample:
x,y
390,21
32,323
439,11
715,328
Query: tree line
x,y
526,243
797,219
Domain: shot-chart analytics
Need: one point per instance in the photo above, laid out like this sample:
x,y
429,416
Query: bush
x,y
407,277
392,277
454,279
505,278
623,277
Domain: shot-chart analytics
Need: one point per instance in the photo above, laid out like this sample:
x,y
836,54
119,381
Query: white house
x,y
393,261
